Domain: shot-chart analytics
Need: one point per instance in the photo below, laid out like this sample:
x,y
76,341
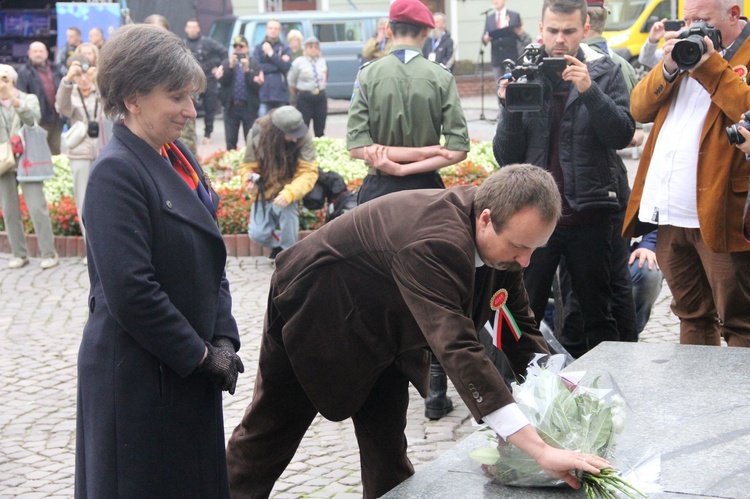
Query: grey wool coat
x,y
383,283
149,423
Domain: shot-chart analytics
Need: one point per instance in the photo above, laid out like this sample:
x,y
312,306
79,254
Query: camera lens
x,y
687,53
733,134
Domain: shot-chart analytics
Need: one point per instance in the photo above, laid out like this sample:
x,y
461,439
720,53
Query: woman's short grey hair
x,y
515,188
139,58
9,71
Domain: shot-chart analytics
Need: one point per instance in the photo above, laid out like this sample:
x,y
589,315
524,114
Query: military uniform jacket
x,y
375,287
405,100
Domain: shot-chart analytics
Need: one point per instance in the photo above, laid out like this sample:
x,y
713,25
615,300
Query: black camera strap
x,y
729,53
83,101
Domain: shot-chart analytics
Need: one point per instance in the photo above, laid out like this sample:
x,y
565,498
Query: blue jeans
x,y
646,288
273,226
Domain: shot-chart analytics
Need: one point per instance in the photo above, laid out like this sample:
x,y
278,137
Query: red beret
x,y
411,12
595,3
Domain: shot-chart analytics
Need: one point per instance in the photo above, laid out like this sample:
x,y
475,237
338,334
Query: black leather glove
x,y
223,364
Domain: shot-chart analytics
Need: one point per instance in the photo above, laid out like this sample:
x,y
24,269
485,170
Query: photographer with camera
x,y
690,182
78,100
279,169
573,131
240,79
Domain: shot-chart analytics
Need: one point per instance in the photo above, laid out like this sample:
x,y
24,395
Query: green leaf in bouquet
x,y
601,433
486,455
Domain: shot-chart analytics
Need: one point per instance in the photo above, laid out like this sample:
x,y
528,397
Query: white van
x,y
342,36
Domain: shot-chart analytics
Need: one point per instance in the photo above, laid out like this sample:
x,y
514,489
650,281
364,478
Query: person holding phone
x,y
18,108
240,79
650,55
78,100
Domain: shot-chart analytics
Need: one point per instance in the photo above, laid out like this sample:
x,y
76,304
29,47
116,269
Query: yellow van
x,y
629,22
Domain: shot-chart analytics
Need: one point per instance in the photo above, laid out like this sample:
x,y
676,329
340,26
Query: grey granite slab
x,y
690,405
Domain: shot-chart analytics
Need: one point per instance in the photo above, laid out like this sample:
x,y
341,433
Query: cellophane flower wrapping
x,y
581,411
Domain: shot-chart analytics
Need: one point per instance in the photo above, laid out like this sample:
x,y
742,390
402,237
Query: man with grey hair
x,y
41,78
439,45
691,182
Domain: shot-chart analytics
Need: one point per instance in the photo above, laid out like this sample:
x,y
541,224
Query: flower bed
x,y
234,208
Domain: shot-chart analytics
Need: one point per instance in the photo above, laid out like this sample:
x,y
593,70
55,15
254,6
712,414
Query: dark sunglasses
x,y
239,45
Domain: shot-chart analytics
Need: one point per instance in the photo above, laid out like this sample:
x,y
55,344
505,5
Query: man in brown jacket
x,y
692,183
354,307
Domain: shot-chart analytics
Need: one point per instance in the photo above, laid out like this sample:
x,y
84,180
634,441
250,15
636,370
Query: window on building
x,y
348,31
260,31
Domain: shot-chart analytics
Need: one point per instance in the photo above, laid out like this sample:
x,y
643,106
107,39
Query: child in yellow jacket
x,y
279,168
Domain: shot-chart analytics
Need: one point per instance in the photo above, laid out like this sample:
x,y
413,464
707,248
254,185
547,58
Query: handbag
x,y
35,164
75,135
7,158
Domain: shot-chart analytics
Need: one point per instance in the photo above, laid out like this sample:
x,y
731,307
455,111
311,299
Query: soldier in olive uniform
x,y
401,105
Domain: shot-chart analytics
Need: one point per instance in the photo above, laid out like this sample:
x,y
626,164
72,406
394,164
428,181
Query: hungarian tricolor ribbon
x,y
499,304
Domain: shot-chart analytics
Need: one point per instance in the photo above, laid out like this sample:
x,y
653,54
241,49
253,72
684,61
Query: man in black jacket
x,y
583,120
240,80
41,78
209,53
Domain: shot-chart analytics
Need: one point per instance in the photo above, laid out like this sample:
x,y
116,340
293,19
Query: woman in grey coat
x,y
159,345
16,110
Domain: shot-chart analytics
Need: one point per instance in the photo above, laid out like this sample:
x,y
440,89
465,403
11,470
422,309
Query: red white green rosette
x,y
499,303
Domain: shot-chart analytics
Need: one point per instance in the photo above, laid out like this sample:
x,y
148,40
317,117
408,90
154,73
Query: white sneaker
x,y
17,263
48,263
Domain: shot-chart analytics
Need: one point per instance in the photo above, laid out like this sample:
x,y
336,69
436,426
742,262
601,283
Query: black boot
x,y
437,404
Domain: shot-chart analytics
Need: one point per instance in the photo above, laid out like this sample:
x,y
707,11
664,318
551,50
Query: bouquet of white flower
x,y
576,411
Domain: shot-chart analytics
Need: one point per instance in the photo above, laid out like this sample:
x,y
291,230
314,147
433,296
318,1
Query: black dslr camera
x,y
93,130
691,47
733,132
526,92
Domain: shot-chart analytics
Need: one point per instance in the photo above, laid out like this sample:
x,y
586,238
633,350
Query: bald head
x,y
38,53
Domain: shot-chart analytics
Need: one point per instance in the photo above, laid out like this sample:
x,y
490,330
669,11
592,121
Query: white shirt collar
x,y
477,259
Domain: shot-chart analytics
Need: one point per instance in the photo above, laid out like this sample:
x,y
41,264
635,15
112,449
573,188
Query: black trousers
x,y
313,107
588,252
379,185
210,105
623,306
238,113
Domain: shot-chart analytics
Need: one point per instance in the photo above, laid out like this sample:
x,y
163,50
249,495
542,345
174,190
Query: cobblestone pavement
x,y
41,321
